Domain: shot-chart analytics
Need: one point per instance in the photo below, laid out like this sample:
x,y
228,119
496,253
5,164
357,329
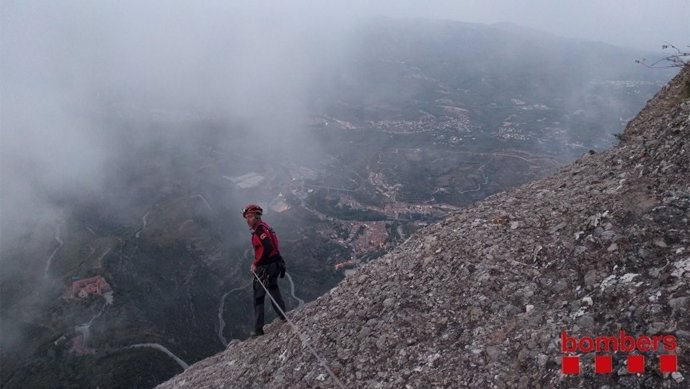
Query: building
x,y
88,286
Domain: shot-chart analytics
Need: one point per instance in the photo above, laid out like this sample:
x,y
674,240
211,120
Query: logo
x,y
603,346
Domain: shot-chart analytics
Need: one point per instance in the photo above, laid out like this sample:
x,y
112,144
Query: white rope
x,y
299,333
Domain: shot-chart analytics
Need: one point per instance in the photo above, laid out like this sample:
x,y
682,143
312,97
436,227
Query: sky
x,y
63,62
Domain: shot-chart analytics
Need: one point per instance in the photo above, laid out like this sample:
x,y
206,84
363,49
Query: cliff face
x,y
481,298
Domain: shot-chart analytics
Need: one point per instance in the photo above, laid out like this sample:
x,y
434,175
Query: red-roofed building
x,y
88,286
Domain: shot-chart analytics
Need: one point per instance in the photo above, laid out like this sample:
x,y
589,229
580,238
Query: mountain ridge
x,y
481,298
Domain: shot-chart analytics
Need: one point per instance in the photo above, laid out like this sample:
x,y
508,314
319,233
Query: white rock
x,y
628,277
677,377
608,281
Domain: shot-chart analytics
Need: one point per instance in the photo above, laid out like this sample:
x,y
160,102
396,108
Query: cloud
x,y
69,68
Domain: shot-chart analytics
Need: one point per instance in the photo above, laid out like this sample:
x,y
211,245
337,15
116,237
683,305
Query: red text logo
x,y
605,345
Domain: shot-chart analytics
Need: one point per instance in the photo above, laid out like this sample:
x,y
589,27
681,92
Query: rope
x,y
301,337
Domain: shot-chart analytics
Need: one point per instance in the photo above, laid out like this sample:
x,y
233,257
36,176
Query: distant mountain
x,y
402,68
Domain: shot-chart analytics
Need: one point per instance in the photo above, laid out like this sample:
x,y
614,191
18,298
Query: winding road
x,y
479,185
162,348
204,200
300,302
100,259
143,221
221,309
85,329
60,244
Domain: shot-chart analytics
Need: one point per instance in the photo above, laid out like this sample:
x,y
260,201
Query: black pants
x,y
269,276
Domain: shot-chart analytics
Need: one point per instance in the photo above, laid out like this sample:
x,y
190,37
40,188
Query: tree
x,y
677,59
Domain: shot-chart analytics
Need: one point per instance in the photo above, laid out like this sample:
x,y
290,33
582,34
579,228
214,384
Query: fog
x,y
69,68
67,65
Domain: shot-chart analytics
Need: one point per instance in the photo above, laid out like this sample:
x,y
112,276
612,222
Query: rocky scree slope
x,y
480,299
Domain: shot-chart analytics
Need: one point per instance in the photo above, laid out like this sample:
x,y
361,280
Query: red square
x,y
603,364
570,365
668,363
635,363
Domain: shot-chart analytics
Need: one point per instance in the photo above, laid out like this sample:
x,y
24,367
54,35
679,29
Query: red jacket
x,y
265,242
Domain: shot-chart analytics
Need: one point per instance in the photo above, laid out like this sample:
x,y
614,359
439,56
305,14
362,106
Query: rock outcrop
x,y
480,299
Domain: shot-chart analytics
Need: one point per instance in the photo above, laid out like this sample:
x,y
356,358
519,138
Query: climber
x,y
268,264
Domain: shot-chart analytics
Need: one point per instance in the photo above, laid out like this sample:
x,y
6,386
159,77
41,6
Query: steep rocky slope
x,y
481,298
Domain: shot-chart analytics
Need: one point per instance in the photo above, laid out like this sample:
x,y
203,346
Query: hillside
x,y
481,298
